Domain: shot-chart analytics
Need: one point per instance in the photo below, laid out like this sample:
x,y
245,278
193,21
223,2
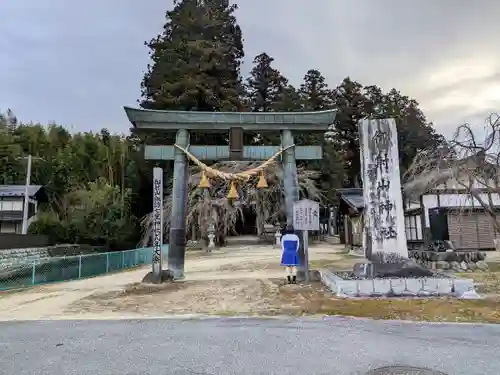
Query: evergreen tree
x,y
288,100
196,60
350,102
415,132
8,121
355,102
265,85
314,92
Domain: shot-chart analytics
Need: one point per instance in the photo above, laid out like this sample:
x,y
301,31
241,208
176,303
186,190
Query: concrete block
x,y
424,287
366,288
414,286
347,289
382,287
461,286
398,286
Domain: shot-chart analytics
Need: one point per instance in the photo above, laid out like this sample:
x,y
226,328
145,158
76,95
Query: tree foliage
x,y
99,182
196,60
265,85
85,165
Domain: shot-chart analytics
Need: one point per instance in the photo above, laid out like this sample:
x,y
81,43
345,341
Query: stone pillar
x,y
177,238
290,183
384,225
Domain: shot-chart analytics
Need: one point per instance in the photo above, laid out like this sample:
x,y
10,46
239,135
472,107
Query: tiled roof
x,y
18,190
354,200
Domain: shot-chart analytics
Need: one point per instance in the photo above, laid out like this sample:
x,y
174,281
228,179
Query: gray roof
x,y
353,197
355,201
221,121
18,190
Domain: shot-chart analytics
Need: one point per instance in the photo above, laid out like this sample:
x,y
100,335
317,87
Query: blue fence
x,y
27,272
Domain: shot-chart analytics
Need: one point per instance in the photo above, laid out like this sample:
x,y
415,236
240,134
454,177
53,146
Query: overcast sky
x,y
79,62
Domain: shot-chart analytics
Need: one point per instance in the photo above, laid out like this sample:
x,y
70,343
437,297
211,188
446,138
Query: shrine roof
x,y
353,197
148,119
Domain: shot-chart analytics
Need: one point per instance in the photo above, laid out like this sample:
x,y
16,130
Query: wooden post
x,y
236,144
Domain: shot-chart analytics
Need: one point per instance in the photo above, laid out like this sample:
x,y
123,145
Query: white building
x,y
12,204
439,206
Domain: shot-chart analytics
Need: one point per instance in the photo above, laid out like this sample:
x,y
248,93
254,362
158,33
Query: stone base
x,y
357,251
166,275
314,275
458,261
396,287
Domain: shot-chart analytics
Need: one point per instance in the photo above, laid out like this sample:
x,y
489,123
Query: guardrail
x,y
32,271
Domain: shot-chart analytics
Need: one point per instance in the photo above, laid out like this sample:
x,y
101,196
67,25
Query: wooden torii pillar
x,y
234,123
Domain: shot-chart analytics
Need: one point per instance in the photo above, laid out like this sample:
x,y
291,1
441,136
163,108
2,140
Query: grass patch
x,y
314,299
486,282
343,264
494,266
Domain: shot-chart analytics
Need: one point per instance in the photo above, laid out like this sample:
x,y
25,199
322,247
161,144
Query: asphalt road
x,y
333,346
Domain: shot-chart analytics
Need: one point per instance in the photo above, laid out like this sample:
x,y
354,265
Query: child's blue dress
x,y
290,248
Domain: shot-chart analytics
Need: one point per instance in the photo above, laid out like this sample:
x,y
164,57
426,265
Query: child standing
x,y
290,254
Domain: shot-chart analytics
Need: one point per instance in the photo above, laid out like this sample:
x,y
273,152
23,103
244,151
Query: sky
x,y
77,63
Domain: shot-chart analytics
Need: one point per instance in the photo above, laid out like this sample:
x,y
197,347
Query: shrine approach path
x,y
215,281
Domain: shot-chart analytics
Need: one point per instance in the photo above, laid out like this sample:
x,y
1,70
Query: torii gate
x,y
235,123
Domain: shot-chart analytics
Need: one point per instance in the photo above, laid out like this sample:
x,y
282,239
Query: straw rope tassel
x,y
233,193
204,183
262,184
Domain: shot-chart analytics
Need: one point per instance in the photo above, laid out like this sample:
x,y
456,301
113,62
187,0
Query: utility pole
x,y
29,158
26,195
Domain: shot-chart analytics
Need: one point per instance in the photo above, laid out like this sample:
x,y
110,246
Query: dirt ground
x,y
230,281
240,281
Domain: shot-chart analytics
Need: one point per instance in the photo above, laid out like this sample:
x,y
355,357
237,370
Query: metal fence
x,y
26,272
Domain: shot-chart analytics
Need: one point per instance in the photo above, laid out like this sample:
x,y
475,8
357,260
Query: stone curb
x,y
404,287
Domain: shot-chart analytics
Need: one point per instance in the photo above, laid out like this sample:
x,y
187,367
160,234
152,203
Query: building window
x,y
413,227
11,205
7,227
17,206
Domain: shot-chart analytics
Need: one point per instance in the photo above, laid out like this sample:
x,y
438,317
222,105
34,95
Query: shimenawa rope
x,y
240,176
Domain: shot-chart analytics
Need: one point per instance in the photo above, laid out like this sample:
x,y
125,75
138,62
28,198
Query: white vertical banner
x,y
157,232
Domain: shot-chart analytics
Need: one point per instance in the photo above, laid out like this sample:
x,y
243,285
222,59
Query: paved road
x,y
243,346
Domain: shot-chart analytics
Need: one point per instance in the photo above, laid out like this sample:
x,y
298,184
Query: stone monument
x,y
384,228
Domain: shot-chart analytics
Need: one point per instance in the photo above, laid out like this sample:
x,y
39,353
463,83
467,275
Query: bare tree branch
x,y
465,163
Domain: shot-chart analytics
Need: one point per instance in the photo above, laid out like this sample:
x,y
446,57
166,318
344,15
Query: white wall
x,y
454,200
11,204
